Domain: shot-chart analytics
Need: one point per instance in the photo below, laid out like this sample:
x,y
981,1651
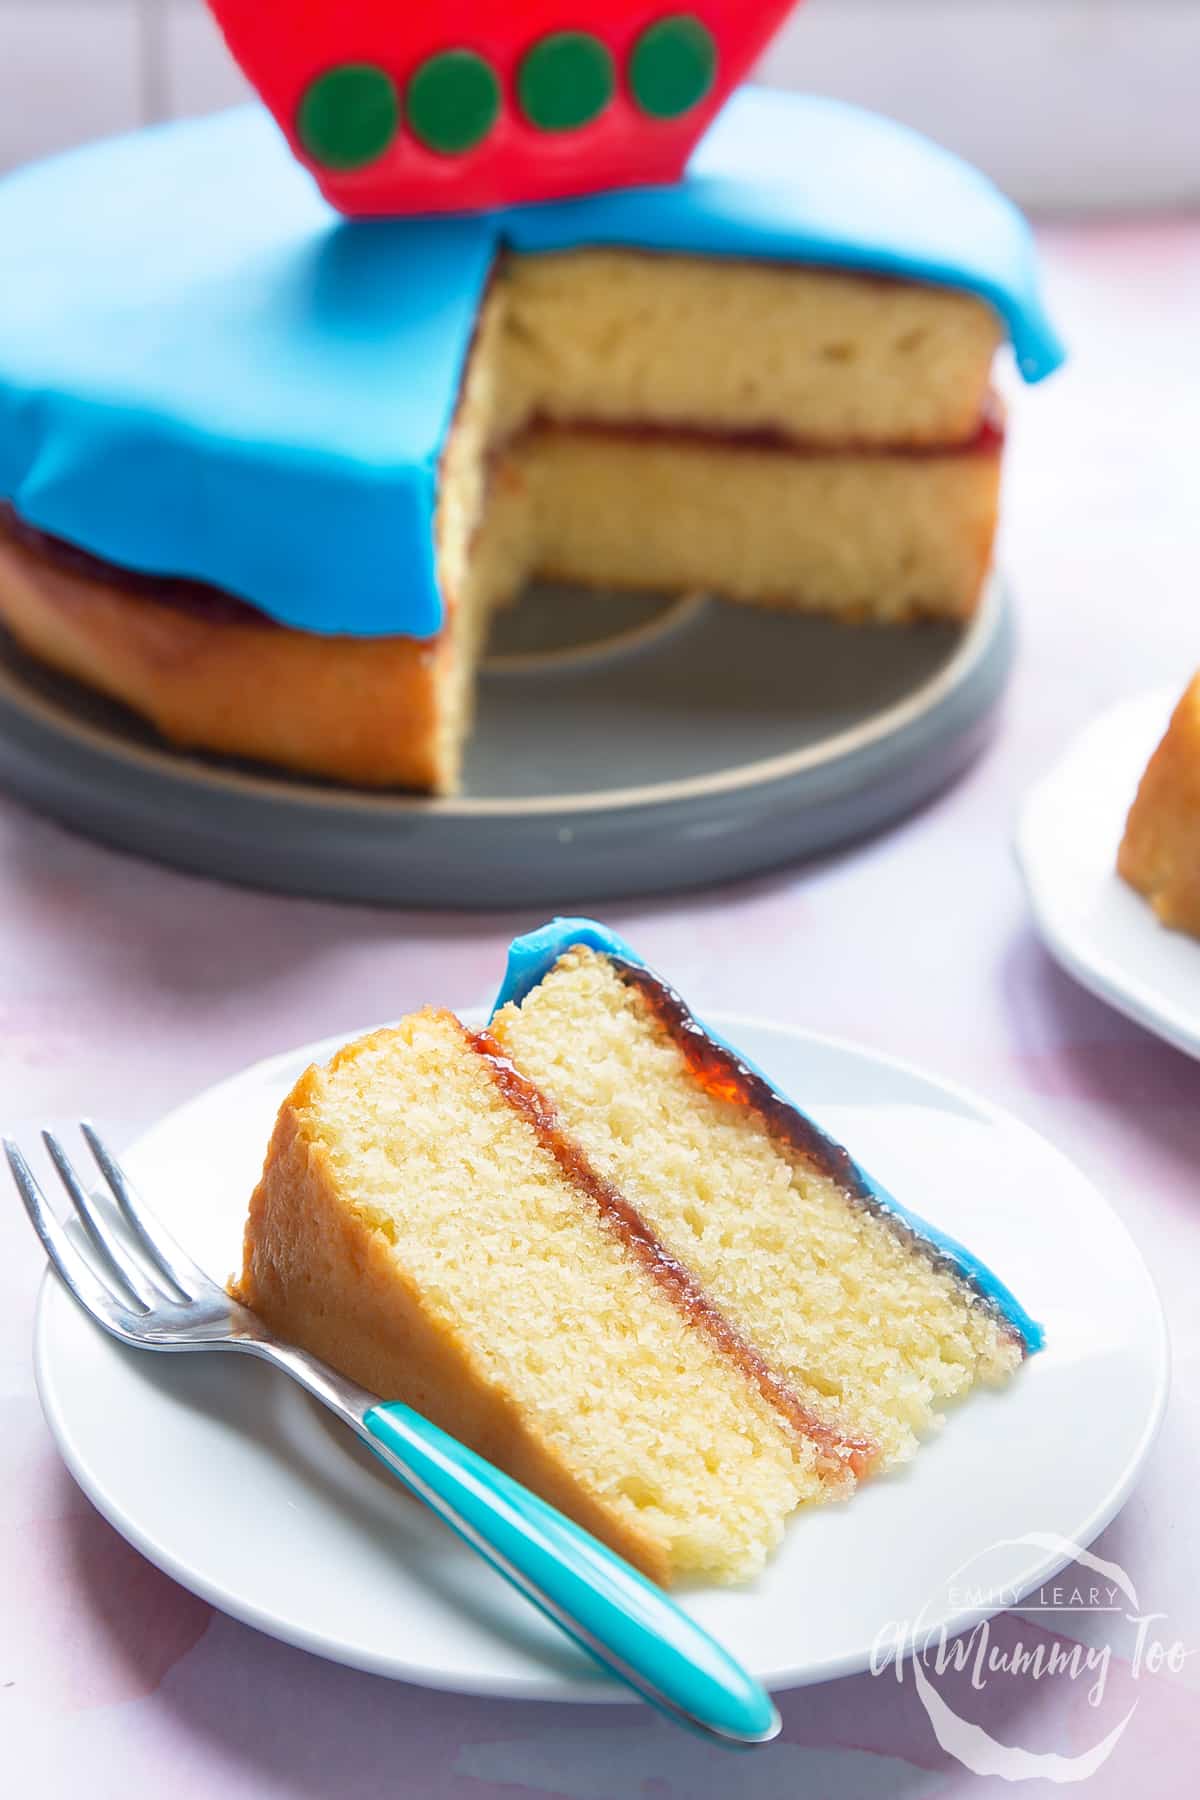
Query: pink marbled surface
x,y
124,988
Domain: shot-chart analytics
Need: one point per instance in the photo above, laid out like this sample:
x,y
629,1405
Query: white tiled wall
x,y
69,70
75,69
1066,102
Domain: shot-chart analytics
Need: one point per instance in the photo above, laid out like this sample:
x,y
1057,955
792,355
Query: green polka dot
x,y
453,101
673,66
565,80
349,116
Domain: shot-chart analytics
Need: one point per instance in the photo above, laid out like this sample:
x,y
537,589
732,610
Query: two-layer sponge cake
x,y
599,1248
265,475
1160,851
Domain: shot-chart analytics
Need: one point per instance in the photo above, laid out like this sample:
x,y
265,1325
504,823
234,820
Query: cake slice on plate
x,y
1160,851
602,1250
420,1227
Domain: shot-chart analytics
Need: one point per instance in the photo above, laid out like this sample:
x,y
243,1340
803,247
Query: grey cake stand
x,y
623,746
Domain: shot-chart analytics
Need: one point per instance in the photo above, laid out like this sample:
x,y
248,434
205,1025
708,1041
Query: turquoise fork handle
x,y
611,1611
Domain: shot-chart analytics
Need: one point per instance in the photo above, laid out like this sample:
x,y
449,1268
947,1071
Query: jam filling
x,y
721,1073
838,1450
987,440
214,605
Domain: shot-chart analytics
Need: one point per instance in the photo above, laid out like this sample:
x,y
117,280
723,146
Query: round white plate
x,y
229,1478
1093,923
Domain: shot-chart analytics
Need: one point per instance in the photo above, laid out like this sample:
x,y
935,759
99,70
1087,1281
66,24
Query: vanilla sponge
x,y
411,1229
820,355
853,1313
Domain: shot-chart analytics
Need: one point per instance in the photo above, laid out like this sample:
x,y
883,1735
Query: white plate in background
x,y
1093,923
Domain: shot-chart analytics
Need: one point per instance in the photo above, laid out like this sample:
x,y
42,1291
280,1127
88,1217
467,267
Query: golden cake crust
x,y
359,710
1160,851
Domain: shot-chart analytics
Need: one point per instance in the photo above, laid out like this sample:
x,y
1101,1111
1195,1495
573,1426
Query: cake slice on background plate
x,y
1160,851
603,1251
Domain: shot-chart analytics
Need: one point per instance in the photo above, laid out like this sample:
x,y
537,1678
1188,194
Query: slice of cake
x,y
603,1252
1160,851
872,1319
421,1225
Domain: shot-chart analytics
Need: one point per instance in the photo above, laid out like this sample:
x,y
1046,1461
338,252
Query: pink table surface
x,y
124,988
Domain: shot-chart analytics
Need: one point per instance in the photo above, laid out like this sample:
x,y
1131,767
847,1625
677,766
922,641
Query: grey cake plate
x,y
623,745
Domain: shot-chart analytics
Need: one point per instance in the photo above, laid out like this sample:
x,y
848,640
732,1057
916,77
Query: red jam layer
x,y
722,1074
988,439
196,598
201,600
838,1451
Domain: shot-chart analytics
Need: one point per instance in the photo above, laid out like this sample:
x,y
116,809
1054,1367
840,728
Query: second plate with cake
x,y
1093,923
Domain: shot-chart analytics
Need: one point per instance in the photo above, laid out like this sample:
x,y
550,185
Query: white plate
x,y
233,1481
1093,923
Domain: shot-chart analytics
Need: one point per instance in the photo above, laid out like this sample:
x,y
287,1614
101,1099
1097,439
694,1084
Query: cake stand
x,y
623,745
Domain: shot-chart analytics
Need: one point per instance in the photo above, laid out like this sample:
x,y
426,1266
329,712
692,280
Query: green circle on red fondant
x,y
453,100
673,66
349,115
566,80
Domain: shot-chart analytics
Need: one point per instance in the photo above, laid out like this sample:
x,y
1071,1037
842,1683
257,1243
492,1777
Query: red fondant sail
x,y
470,104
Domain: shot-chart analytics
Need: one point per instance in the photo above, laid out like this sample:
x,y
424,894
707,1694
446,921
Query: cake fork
x,y
140,1286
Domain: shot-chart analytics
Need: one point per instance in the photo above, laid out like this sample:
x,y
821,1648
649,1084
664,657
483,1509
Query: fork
x,y
146,1291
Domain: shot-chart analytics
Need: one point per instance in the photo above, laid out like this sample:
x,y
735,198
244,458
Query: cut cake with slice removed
x,y
873,1319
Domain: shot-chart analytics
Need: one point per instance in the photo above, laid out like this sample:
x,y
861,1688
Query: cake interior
x,y
854,1314
793,437
413,1229
784,436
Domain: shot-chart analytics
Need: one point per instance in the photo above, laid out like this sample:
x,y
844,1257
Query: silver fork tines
x,y
150,1286
86,1286
114,1259
157,1242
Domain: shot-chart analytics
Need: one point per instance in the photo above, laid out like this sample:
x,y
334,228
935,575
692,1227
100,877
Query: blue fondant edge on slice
x,y
530,960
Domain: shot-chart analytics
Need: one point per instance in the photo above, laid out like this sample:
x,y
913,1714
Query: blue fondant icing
x,y
204,372
530,960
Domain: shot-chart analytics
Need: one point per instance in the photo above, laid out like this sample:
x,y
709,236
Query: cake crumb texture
x,y
852,1315
410,1229
865,537
822,355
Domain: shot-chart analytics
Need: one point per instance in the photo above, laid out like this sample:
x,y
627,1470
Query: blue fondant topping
x,y
204,372
532,957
